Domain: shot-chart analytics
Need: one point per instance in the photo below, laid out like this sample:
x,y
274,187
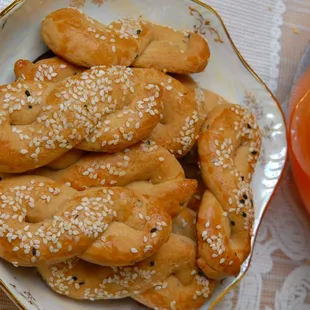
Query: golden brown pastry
x,y
177,130
226,214
43,221
186,289
172,271
140,166
85,42
41,121
47,70
51,70
66,159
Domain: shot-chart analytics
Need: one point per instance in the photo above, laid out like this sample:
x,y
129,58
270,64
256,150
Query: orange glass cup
x,y
299,137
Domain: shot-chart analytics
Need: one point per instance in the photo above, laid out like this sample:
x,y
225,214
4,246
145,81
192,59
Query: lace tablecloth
x,y
279,277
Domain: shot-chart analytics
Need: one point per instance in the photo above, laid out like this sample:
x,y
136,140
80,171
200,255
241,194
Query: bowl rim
x,y
9,9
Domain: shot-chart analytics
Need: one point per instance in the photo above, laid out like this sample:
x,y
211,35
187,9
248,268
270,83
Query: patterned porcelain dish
x,y
227,74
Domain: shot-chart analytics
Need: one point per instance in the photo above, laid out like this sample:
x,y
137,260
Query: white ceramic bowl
x,y
227,74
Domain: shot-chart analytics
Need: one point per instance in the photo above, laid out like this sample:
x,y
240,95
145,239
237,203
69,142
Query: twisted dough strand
x,y
41,121
177,130
85,42
46,222
172,269
226,214
47,70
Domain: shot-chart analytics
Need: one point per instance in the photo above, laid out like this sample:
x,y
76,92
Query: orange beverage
x,y
299,137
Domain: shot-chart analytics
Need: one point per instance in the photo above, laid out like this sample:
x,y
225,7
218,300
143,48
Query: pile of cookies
x,y
121,177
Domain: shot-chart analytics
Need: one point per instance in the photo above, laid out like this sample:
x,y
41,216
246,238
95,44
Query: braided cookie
x,y
41,121
115,131
85,42
43,221
228,151
48,70
139,167
184,289
177,130
172,269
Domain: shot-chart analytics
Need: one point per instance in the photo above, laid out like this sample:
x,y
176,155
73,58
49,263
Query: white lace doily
x,y
254,26
279,276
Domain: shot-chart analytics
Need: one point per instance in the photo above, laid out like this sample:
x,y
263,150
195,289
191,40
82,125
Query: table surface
x,y
295,38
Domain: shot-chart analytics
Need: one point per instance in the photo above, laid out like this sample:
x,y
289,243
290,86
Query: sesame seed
x,y
134,250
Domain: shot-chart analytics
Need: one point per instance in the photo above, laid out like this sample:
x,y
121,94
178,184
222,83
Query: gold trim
x,y
204,25
247,66
9,8
11,296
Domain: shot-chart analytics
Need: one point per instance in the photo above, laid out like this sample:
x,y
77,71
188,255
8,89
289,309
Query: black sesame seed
x,y
182,203
249,126
27,93
81,283
200,272
189,35
148,142
137,56
152,263
139,31
76,216
34,251
232,223
242,201
243,214
242,178
153,230
208,126
74,278
75,73
245,196
254,152
30,107
0,179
